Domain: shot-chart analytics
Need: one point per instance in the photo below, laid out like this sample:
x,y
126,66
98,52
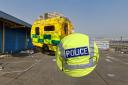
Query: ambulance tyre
x,y
51,53
42,50
45,48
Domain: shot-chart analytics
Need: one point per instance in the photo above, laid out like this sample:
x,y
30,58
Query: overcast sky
x,y
93,17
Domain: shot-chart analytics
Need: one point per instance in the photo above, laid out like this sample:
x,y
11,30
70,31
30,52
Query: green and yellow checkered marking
x,y
45,39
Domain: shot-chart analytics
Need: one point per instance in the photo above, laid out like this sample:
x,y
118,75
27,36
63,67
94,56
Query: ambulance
x,y
48,30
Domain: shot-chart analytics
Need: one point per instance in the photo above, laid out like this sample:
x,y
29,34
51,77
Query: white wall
x,y
102,44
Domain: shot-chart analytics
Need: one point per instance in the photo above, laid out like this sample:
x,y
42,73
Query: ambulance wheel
x,y
45,48
51,53
42,50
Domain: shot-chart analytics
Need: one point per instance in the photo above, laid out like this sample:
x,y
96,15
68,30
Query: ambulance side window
x,y
66,28
37,31
49,28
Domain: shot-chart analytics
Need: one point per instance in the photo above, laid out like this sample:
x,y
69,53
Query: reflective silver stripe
x,y
62,50
91,42
81,66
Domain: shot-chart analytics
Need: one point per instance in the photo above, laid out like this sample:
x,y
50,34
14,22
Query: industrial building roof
x,y
13,19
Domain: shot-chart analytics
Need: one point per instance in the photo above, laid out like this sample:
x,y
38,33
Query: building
x,y
102,44
119,45
14,34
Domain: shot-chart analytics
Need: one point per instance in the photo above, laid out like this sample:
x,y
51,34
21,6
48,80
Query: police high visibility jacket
x,y
77,55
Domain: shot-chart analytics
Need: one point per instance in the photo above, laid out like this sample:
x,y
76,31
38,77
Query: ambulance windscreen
x,y
49,28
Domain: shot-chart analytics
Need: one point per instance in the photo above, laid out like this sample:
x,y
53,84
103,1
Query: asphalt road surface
x,y
41,69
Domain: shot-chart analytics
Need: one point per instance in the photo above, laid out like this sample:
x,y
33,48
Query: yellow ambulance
x,y
48,30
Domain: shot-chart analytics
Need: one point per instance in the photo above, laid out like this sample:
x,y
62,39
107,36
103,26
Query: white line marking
x,y
108,60
111,75
115,59
107,54
20,71
126,63
17,62
54,60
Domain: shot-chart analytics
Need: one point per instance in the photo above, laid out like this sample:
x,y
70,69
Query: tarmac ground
x,y
41,69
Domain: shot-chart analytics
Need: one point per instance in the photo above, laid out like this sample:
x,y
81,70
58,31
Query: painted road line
x,y
18,62
21,71
118,60
111,75
108,60
54,60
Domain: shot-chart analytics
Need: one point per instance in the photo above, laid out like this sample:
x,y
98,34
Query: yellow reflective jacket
x,y
77,55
